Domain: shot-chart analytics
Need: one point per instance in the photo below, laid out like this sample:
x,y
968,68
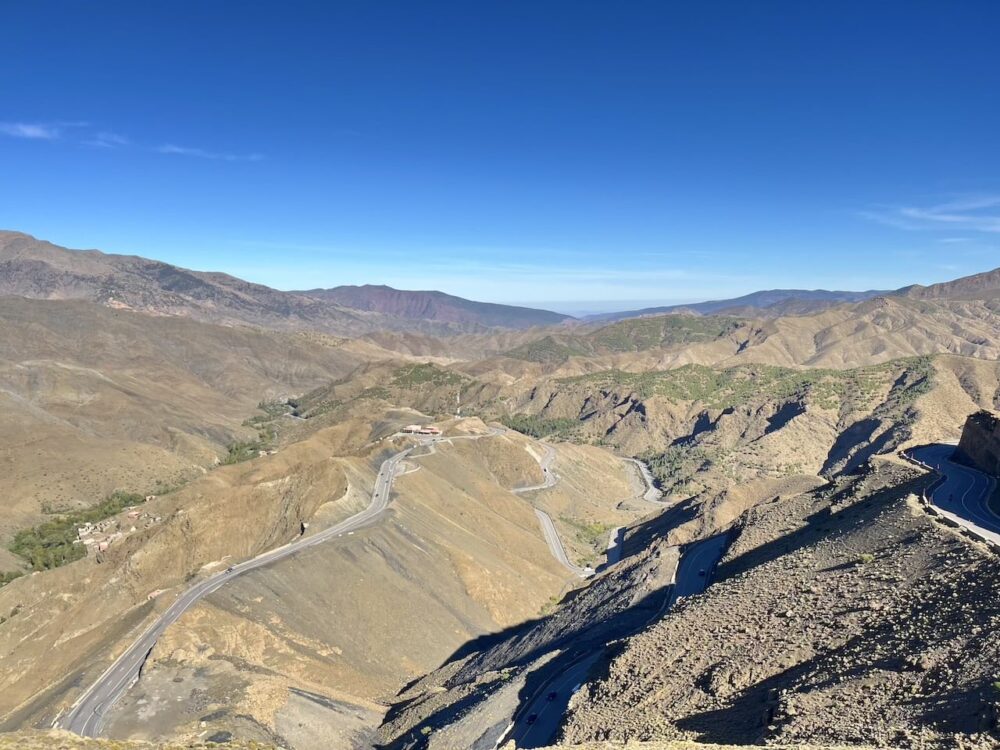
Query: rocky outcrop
x,y
980,443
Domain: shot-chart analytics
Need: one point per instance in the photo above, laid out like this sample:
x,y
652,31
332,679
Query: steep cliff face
x,y
980,443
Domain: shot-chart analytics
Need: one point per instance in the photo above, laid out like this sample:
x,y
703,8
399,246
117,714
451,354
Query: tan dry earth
x,y
63,624
841,616
79,376
286,652
487,694
94,399
67,741
56,740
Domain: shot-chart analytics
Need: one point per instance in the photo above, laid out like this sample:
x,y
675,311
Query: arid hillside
x,y
841,616
427,625
840,539
436,306
94,399
848,335
40,270
37,269
284,653
768,303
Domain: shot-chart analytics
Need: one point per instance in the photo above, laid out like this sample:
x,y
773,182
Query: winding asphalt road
x,y
549,476
86,716
964,493
651,495
556,545
549,479
537,721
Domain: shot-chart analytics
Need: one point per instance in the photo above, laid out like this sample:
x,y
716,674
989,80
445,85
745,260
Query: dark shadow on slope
x,y
577,643
784,415
638,538
703,423
823,524
858,433
753,715
566,628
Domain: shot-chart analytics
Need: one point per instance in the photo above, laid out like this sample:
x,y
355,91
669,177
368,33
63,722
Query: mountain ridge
x,y
38,269
434,305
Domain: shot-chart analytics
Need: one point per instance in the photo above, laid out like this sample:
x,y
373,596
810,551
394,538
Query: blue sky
x,y
579,155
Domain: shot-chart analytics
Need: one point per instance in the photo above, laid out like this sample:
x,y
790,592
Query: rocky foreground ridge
x,y
980,443
67,741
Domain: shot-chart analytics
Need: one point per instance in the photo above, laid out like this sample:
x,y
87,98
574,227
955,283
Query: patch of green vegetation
x,y
323,407
915,379
593,534
375,392
8,576
424,374
51,544
242,450
675,466
736,386
866,559
547,350
638,334
538,427
272,410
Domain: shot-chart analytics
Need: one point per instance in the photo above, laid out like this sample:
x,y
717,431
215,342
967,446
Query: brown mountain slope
x,y
842,616
979,286
437,306
850,335
94,399
284,651
768,302
37,269
842,613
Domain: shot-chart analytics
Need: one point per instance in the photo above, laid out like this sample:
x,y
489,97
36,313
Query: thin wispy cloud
x,y
107,139
30,130
973,214
82,133
199,153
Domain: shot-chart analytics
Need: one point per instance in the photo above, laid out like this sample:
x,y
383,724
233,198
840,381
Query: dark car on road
x,y
551,696
532,719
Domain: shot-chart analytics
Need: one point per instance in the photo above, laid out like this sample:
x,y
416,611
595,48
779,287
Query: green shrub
x,y
8,576
52,543
412,375
538,427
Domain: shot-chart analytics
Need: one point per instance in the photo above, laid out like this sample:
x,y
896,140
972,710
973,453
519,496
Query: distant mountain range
x,y
41,270
36,269
779,302
434,306
770,301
